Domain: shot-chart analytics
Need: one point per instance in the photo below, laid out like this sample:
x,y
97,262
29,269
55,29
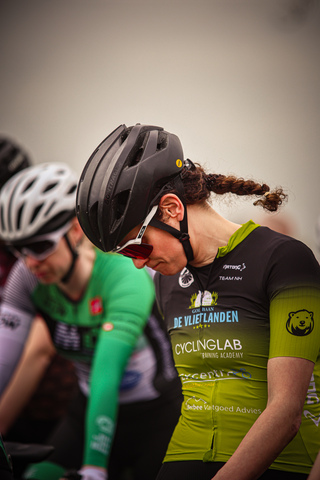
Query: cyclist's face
x,y
53,268
167,256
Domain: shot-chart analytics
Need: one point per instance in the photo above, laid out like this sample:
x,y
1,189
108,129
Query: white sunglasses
x,y
135,248
40,247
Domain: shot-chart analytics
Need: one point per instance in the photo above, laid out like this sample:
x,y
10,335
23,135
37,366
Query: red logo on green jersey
x,y
96,306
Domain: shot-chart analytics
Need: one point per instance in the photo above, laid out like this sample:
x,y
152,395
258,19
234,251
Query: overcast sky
x,y
237,80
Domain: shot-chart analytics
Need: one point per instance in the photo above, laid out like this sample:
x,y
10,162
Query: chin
x,y
168,270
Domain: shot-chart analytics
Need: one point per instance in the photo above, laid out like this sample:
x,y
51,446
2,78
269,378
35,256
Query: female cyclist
x,y
99,312
241,304
24,419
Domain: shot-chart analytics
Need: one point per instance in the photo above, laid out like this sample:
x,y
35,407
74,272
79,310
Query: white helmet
x,y
37,200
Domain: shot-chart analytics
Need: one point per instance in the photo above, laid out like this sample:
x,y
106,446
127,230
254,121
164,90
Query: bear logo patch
x,y
300,323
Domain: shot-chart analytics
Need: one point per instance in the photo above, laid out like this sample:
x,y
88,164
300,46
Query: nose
x,y
30,261
139,262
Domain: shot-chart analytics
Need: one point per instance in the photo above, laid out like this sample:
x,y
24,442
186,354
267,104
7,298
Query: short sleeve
x,y
294,290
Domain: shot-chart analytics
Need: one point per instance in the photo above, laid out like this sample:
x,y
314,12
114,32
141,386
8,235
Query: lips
x,y
39,274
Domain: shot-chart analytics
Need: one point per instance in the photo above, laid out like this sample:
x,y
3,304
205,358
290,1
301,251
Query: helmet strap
x,y
182,235
75,255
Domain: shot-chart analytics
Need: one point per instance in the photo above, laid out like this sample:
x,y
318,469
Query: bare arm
x,y
34,361
315,471
288,382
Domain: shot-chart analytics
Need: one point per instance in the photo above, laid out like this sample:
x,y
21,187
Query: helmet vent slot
x,y
162,141
94,215
35,213
28,186
121,201
19,216
2,214
135,159
49,187
72,189
50,208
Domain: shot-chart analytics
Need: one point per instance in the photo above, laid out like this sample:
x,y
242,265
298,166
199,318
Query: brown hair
x,y
198,186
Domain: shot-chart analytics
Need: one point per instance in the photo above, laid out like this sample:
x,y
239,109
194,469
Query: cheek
x,y
169,249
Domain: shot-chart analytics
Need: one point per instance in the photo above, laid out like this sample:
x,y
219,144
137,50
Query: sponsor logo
x,y
96,306
300,323
205,319
208,344
205,299
214,375
67,337
235,268
199,405
107,327
100,443
314,418
312,394
224,278
105,424
130,380
10,321
239,268
185,278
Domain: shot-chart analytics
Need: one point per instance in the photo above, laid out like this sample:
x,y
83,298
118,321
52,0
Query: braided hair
x,y
198,186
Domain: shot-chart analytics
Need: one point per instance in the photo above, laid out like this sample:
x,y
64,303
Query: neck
x,y
79,279
208,231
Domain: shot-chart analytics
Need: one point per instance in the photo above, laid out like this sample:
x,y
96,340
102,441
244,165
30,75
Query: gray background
x,y
237,80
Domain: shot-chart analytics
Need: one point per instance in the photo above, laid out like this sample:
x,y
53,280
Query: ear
x,y
171,207
76,232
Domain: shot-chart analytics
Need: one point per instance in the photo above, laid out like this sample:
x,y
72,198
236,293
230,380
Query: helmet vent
x,y
35,213
136,158
162,141
2,215
121,201
19,216
50,187
50,208
28,186
72,189
94,214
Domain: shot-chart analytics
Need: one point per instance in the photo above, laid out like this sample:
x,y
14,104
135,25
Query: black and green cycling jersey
x,y
260,298
111,334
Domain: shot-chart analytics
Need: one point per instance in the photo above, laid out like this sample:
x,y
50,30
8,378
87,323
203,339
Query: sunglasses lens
x,y
140,251
36,249
39,248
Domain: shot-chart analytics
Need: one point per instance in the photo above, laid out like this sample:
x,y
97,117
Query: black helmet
x,y
122,180
12,159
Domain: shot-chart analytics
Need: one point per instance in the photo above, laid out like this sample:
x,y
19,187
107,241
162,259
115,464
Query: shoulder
x,y
265,241
19,287
287,261
118,271
20,277
115,265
